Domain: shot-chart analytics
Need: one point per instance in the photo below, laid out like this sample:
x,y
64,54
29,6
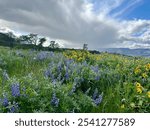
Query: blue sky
x,y
99,23
133,9
142,11
130,9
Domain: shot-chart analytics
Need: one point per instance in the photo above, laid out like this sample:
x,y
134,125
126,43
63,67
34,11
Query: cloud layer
x,y
75,22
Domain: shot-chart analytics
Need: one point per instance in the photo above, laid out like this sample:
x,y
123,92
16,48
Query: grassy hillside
x,y
72,81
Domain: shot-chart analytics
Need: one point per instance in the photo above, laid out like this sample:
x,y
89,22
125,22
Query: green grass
x,y
41,75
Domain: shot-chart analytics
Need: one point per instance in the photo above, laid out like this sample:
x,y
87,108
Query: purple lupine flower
x,y
79,70
98,100
19,53
59,77
14,107
54,82
52,77
73,89
5,102
95,68
97,78
47,73
51,64
54,100
41,56
84,63
5,75
68,62
15,89
67,75
74,65
77,81
95,94
51,54
59,68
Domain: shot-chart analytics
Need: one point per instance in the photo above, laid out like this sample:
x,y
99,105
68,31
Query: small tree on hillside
x,y
29,39
41,41
53,45
24,39
85,46
33,38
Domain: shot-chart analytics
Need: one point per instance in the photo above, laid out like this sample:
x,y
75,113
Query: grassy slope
x,y
114,77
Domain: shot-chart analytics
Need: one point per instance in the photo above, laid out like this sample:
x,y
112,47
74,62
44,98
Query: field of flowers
x,y
72,81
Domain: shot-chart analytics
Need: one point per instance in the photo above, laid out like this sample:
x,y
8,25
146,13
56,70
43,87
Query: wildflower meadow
x,y
72,81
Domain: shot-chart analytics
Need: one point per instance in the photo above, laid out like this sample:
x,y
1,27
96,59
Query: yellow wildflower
x,y
137,70
122,106
74,56
144,75
138,88
148,94
138,84
80,59
132,105
147,67
97,58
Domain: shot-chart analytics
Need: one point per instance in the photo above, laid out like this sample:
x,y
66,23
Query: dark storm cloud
x,y
70,20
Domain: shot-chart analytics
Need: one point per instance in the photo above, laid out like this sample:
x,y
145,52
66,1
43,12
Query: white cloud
x,y
135,32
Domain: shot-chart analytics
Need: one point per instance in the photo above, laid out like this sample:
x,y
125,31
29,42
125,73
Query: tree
x,y
85,46
29,39
53,45
25,39
7,39
33,38
10,34
41,41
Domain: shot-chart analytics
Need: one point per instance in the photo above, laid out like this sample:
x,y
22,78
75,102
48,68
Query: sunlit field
x,y
72,82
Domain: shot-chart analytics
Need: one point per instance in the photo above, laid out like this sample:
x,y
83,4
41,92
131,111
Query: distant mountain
x,y
127,51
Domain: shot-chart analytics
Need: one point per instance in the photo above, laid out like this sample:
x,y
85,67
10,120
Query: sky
x,y
72,23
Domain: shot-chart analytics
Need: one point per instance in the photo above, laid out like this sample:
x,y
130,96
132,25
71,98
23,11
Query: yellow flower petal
x,y
122,106
148,94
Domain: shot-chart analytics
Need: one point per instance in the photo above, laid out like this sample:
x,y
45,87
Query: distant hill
x,y
6,40
127,51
